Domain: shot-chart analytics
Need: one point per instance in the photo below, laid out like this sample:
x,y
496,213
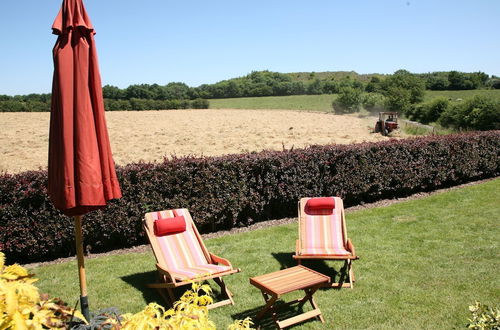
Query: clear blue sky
x,y
196,42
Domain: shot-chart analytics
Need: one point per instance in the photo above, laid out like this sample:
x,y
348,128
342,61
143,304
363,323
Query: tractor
x,y
387,122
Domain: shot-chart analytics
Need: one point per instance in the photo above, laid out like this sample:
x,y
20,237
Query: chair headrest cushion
x,y
320,205
169,226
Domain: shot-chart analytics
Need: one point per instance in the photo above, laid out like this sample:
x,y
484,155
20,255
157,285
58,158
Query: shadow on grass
x,y
140,280
285,259
283,312
338,274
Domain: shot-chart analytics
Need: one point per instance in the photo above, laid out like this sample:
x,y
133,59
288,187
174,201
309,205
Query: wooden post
x,y
81,267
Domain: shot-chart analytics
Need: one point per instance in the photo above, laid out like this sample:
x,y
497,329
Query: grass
x,y
293,102
422,263
324,102
467,94
416,130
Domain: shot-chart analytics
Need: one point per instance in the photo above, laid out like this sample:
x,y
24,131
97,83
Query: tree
x,y
113,92
462,81
138,92
348,101
177,91
438,82
398,99
403,89
374,86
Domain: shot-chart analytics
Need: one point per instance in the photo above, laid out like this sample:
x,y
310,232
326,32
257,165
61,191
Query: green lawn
x,y
454,95
293,102
323,102
422,263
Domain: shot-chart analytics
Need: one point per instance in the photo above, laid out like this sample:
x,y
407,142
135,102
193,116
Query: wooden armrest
x,y
219,260
350,247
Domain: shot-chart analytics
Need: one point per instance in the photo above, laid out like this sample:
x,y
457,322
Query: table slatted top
x,y
288,280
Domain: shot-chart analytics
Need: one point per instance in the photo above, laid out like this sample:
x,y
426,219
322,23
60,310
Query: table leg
x,y
269,305
309,297
315,306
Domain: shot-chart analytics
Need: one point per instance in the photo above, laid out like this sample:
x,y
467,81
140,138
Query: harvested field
x,y
151,135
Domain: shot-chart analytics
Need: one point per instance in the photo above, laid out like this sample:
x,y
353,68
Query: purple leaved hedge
x,y
237,190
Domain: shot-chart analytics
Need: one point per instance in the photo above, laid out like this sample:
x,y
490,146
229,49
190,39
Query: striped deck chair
x,y
323,234
181,255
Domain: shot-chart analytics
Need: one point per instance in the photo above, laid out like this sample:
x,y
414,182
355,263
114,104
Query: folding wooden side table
x,y
274,285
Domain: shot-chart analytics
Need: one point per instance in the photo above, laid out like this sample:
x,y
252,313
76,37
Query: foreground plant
x,y
190,312
484,317
21,305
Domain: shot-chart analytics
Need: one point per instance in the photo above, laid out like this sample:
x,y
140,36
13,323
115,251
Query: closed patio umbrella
x,y
81,170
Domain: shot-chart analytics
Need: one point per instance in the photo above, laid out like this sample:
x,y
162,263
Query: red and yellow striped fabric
x,y
323,234
182,253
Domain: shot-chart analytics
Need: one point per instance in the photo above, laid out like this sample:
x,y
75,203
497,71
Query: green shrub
x,y
349,100
434,110
200,104
478,113
117,105
494,83
315,87
428,112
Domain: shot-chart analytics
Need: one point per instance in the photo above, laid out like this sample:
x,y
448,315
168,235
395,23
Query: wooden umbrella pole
x,y
81,267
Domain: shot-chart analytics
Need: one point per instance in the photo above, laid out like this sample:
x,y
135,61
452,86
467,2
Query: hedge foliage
x,y
237,190
19,105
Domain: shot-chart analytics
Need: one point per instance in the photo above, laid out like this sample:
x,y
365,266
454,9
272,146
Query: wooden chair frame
x,y
348,246
167,279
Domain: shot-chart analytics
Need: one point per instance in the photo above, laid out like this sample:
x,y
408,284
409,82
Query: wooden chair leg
x,y
352,273
171,295
166,293
349,272
224,289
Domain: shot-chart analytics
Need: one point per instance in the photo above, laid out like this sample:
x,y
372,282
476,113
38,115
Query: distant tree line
x,y
41,103
257,83
403,92
25,103
177,95
454,80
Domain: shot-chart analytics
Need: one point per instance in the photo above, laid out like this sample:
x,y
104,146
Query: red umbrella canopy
x,y
81,170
